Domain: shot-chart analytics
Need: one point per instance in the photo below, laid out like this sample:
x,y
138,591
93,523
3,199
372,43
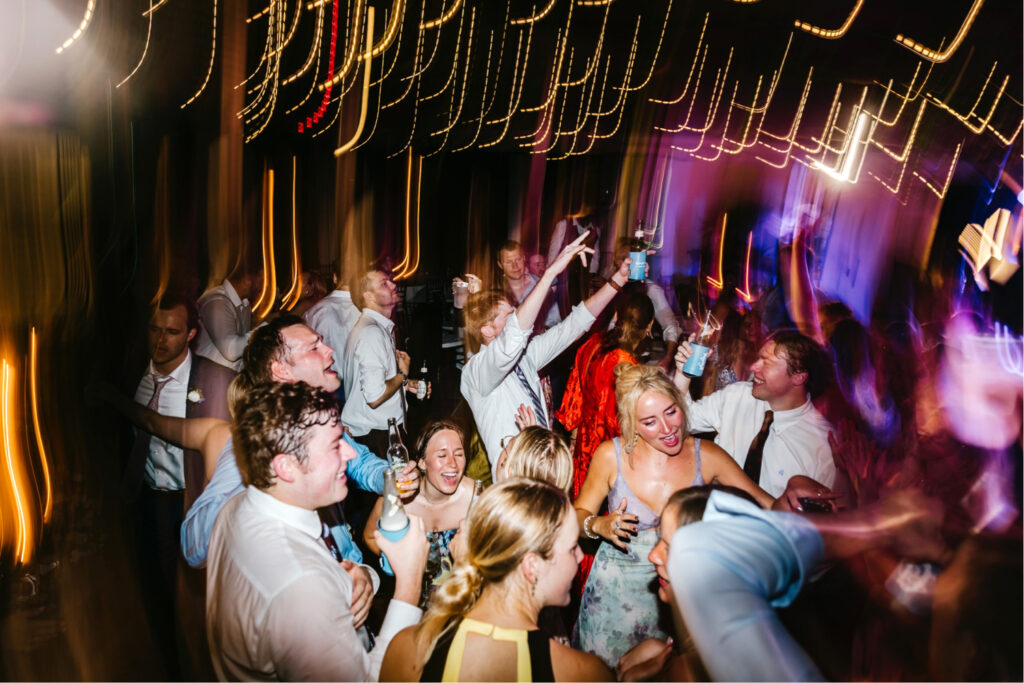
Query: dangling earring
x,y
632,443
533,587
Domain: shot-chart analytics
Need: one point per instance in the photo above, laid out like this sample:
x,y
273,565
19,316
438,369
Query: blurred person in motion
x,y
441,501
279,598
503,375
521,554
769,425
660,458
736,352
518,282
225,319
333,318
163,478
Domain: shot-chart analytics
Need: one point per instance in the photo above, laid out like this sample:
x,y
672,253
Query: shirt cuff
x,y
374,578
400,615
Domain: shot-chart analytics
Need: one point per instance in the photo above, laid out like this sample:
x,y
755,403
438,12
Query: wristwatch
x,y
405,377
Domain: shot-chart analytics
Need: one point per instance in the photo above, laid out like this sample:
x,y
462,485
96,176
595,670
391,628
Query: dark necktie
x,y
752,465
135,472
538,406
328,539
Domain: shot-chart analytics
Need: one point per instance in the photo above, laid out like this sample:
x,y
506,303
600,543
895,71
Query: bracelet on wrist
x,y
615,285
586,527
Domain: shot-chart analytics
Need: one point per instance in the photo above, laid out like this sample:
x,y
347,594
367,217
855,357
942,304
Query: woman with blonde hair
x,y
521,555
536,453
660,458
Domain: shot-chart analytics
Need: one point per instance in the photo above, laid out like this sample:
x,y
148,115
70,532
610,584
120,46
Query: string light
x,y
213,54
145,48
657,52
89,10
394,61
351,47
452,120
725,128
943,55
366,89
34,392
415,65
964,119
331,54
794,126
745,292
155,7
941,194
390,31
409,270
693,100
534,18
483,97
904,99
268,292
716,98
693,64
833,113
313,52
519,76
718,282
23,530
497,70
444,18
294,292
832,34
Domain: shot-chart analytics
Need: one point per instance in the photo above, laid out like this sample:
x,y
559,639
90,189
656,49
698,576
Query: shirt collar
x,y
179,374
340,294
383,321
784,418
229,289
306,521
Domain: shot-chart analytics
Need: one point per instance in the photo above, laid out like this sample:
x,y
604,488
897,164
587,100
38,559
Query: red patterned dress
x,y
589,407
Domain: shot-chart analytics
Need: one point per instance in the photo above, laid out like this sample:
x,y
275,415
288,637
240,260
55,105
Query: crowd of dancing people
x,y
827,498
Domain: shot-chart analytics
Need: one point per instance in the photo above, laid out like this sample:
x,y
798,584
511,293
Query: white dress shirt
x,y
490,385
369,363
663,312
224,325
550,307
277,602
797,439
165,464
333,318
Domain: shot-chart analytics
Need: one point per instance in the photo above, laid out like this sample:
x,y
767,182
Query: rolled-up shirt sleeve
x,y
498,358
366,469
546,347
224,485
370,353
664,314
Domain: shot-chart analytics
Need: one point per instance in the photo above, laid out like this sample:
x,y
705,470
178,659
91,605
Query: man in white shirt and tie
x,y
502,376
769,425
225,319
278,600
333,318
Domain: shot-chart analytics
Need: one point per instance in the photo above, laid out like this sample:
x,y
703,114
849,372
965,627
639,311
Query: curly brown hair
x,y
276,418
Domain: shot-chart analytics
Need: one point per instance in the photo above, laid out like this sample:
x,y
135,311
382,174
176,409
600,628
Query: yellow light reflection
x,y
366,90
294,292
536,17
23,522
268,292
941,194
932,55
745,292
832,34
89,10
444,18
213,54
145,48
33,388
397,14
717,282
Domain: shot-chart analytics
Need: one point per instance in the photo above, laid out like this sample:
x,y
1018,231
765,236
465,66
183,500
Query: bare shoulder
x,y
572,665
397,664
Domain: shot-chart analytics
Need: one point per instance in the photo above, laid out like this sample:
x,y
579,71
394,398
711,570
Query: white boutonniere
x,y
195,395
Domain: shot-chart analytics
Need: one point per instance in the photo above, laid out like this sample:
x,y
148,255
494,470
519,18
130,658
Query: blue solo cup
x,y
694,366
395,535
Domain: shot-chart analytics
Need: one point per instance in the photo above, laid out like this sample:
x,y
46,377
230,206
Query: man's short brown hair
x,y
481,309
276,419
803,354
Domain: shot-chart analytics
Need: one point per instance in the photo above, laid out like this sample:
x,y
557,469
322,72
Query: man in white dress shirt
x,y
278,600
225,321
376,375
333,318
776,406
518,282
502,376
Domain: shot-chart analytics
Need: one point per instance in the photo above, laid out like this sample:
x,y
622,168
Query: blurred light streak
x,y
904,98
483,97
415,64
433,53
1011,350
213,55
351,46
394,61
832,34
497,70
534,18
949,175
408,198
725,128
273,76
407,267
827,140
932,55
23,523
745,292
1007,140
376,114
314,51
455,61
513,105
600,100
742,144
294,292
696,54
992,248
964,119
452,120
849,157
444,18
696,86
153,8
718,282
419,179
556,70
263,55
390,31
793,128
366,89
331,54
709,120
594,3
657,52
145,48
908,144
268,292
89,10
833,113
34,392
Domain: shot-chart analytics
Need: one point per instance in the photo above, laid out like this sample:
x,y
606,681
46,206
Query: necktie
x,y
328,539
752,465
135,471
538,406
159,382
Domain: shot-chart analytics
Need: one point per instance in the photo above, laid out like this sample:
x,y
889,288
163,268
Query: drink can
x,y
694,366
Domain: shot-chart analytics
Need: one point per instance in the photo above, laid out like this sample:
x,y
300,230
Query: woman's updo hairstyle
x,y
631,381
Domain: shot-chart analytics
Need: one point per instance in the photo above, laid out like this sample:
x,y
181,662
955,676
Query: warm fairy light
x,y
483,98
716,98
455,63
400,266
89,9
444,18
268,292
394,61
793,128
411,269
390,31
19,487
831,34
517,75
902,156
594,3
213,54
833,114
294,292
536,17
366,89
34,392
718,282
932,55
905,99
153,8
696,54
966,119
313,52
351,46
272,77
657,52
145,48
849,158
745,292
941,194
415,65
725,128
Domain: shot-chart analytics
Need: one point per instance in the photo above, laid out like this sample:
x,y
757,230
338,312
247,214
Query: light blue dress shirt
x,y
366,470
729,572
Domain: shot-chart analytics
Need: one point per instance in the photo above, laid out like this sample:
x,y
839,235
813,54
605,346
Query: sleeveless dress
x,y
533,652
620,605
439,562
